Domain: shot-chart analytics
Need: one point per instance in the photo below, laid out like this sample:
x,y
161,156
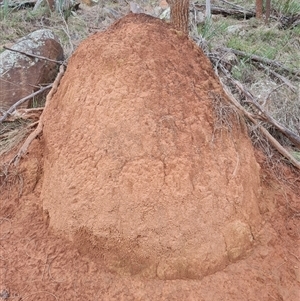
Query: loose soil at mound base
x,y
39,263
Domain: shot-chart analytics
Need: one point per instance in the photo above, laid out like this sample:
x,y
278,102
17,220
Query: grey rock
x,y
21,75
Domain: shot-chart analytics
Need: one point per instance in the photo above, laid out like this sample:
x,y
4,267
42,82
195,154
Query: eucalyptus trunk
x,y
180,14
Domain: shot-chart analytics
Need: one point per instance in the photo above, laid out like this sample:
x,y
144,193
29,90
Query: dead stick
x,y
269,137
235,11
19,102
34,56
281,78
39,128
267,117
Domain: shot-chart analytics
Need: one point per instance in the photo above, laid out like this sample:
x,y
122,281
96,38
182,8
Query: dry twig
x,y
22,100
263,60
34,56
280,77
295,139
39,128
30,113
252,118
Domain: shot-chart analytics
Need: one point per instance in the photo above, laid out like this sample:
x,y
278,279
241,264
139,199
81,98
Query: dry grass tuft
x,y
227,116
273,161
12,134
10,178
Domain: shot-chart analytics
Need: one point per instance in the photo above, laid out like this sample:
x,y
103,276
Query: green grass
x,y
296,155
5,11
286,7
244,72
15,25
270,43
210,30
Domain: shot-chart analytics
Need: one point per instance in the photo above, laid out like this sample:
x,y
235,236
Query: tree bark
x,y
259,9
180,14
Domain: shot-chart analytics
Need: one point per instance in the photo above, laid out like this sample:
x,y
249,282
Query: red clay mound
x,y
38,264
136,172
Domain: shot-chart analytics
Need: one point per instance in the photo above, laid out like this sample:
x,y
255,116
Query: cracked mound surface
x,y
136,172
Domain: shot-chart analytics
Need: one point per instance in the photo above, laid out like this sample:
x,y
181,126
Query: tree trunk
x,y
259,9
180,14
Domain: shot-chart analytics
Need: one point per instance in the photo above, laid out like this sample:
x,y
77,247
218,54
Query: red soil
x,y
124,128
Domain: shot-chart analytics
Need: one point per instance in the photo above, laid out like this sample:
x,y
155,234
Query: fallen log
x,y
238,13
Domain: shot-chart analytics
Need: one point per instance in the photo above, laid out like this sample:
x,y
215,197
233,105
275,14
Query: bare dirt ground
x,y
37,262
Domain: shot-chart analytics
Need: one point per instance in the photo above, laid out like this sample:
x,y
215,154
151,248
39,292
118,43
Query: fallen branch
x,y
34,56
263,60
251,117
39,128
280,77
295,139
31,113
267,97
236,12
21,101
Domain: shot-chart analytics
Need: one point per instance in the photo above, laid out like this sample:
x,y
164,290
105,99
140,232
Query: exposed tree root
x,y
21,101
39,128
